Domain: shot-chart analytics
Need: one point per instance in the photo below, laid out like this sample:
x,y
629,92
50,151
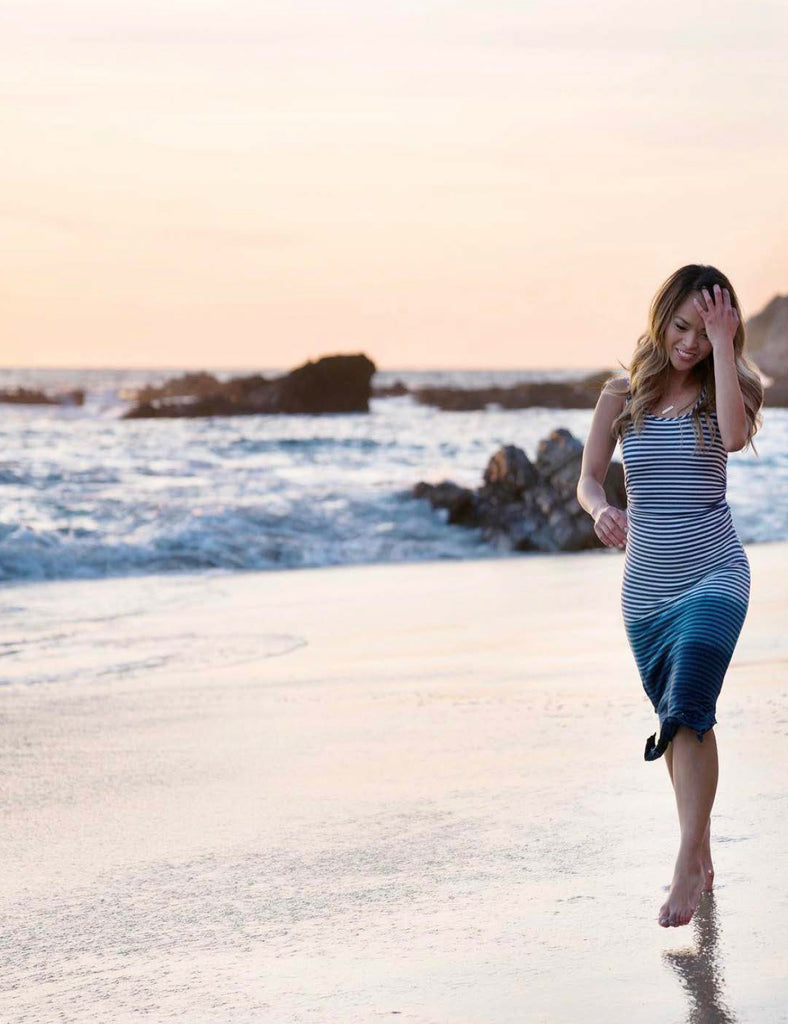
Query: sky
x,y
496,184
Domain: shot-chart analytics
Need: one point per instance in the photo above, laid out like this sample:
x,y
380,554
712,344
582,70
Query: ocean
x,y
88,495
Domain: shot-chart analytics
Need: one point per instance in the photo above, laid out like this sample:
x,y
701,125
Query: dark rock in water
x,y
460,501
391,391
332,384
776,394
578,394
558,458
211,405
511,468
767,338
190,384
529,506
28,396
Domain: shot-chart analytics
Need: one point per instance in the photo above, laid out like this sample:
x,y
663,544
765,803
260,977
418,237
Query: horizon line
x,y
288,369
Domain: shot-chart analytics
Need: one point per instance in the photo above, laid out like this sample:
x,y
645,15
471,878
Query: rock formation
x,y
577,394
767,337
529,506
28,396
332,384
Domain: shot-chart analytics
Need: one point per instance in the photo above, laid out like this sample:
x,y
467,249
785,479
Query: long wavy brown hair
x,y
649,368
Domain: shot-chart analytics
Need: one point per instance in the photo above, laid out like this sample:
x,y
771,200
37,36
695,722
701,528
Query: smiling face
x,y
685,337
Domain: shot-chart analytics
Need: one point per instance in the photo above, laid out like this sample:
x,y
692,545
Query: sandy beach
x,y
412,792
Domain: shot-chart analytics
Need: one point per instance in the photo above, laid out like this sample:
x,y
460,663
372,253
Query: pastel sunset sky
x,y
241,183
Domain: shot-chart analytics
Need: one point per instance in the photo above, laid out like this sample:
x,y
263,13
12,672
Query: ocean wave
x,y
86,495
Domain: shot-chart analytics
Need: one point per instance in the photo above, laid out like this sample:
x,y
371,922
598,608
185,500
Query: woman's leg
x,y
694,774
705,853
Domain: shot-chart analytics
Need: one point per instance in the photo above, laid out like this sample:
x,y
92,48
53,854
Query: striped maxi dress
x,y
686,583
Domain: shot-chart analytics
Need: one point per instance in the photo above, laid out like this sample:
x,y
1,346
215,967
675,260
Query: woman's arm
x,y
721,321
610,525
731,414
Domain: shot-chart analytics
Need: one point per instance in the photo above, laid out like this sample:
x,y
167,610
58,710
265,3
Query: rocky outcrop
x,y
578,394
391,391
332,384
28,396
767,338
529,506
776,394
192,385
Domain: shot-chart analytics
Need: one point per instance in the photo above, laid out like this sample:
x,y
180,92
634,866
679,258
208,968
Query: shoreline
x,y
213,571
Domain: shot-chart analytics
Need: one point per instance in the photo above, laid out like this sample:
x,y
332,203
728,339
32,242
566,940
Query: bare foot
x,y
682,901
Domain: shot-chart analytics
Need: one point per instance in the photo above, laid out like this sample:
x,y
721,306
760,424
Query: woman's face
x,y
685,337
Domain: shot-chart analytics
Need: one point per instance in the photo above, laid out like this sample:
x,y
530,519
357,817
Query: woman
x,y
690,397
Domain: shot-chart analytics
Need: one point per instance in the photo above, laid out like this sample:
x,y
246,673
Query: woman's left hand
x,y
719,316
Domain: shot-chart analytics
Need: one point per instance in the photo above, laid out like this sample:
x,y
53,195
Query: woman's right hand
x,y
611,525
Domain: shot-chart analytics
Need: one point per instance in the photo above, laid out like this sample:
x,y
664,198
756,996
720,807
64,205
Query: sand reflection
x,y
700,970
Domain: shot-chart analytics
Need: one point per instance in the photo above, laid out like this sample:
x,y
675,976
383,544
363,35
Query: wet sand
x,y
411,792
